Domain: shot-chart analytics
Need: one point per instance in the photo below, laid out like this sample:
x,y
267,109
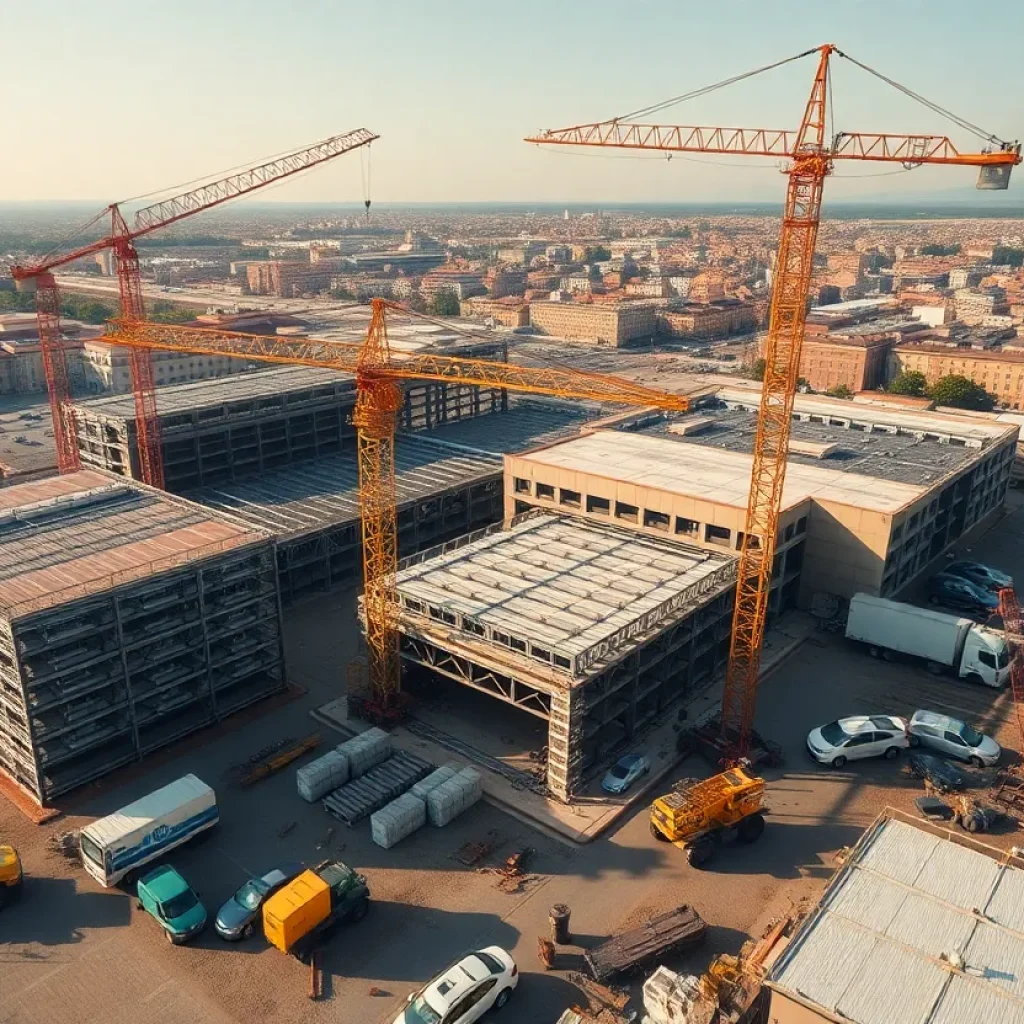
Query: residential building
x,y
614,323
858,363
286,278
706,287
974,305
460,283
708,320
508,312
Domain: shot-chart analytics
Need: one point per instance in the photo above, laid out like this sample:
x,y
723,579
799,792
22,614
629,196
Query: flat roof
x,y
678,466
233,389
560,590
64,537
914,928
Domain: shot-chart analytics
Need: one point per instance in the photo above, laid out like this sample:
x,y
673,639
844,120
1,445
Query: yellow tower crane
x,y
810,154
378,399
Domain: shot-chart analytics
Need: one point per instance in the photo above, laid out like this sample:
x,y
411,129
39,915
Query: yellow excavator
x,y
10,875
699,815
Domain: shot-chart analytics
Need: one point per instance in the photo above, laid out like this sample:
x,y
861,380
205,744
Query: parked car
x,y
954,592
945,777
954,738
851,739
236,918
980,575
173,903
465,991
624,773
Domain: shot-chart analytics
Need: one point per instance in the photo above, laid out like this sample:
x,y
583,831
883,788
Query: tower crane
x,y
811,157
121,239
378,399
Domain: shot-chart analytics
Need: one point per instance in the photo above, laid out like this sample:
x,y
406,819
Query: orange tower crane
x,y
811,156
378,398
1013,628
121,239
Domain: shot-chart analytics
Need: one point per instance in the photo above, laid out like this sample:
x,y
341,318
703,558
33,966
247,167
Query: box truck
x,y
116,846
296,917
943,642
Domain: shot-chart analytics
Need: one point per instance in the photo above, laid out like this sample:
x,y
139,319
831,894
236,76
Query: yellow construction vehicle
x,y
10,875
700,815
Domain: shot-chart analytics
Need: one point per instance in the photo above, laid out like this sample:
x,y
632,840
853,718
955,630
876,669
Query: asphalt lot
x,y
72,952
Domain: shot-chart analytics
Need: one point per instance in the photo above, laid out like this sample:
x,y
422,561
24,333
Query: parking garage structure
x,y
588,626
128,619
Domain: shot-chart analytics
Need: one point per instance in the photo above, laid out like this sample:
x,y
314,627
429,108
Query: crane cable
x,y
364,170
934,107
704,90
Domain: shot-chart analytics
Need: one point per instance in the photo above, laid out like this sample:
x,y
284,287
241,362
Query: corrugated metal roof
x,y
914,929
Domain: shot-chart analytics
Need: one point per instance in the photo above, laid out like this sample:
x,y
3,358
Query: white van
x,y
124,841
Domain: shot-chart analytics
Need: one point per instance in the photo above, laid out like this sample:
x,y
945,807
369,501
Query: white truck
x,y
118,845
944,642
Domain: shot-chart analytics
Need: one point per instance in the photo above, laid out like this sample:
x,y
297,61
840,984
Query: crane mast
x,y
121,240
811,158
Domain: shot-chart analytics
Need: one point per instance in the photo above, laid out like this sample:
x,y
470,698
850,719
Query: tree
x,y
596,254
839,391
940,250
754,370
909,382
417,303
1004,254
962,393
163,312
445,303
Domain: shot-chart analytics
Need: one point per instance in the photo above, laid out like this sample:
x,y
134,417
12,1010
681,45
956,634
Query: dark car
x,y
980,575
962,595
945,777
236,918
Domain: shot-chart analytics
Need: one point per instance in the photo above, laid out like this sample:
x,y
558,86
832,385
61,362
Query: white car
x,y
850,739
464,992
954,738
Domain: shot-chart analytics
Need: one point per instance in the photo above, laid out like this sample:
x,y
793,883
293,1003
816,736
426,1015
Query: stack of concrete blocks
x,y
433,780
448,800
400,818
319,777
671,998
365,751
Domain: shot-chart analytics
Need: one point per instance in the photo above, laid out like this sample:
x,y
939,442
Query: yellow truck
x,y
698,816
11,876
306,910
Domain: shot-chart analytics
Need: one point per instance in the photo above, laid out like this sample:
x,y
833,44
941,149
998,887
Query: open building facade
x,y
128,618
588,626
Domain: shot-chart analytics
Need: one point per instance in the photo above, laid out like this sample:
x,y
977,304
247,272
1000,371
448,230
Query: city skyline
x,y
452,94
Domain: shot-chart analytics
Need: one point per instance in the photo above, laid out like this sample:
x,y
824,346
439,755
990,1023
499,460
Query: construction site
x,y
442,564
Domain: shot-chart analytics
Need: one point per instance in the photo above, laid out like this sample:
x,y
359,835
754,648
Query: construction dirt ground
x,y
73,952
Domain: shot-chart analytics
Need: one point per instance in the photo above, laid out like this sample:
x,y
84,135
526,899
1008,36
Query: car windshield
x,y
970,736
419,1011
251,894
834,733
178,905
1003,658
619,771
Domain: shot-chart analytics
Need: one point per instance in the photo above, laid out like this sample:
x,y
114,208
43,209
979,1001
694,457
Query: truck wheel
x,y
838,762
360,910
875,652
934,667
503,997
892,753
658,834
750,829
700,853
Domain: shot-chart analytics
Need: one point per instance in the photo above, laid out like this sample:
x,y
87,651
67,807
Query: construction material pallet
x,y
1008,789
379,786
675,931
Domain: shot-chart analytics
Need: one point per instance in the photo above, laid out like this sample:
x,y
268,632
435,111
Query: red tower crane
x,y
811,154
121,239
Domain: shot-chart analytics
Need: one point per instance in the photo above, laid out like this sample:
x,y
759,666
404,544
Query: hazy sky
x,y
107,99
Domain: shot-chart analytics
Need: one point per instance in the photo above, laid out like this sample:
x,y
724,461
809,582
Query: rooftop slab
x,y
687,467
62,538
558,590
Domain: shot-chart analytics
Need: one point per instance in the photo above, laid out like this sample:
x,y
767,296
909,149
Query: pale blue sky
x,y
106,99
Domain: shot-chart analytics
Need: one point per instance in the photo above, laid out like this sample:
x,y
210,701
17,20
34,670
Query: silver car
x,y
236,919
953,738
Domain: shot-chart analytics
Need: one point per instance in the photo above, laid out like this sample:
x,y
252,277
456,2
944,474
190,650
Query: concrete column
x,y
565,743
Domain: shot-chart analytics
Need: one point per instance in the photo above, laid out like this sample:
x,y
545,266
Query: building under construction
x,y
448,483
220,430
128,618
590,627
